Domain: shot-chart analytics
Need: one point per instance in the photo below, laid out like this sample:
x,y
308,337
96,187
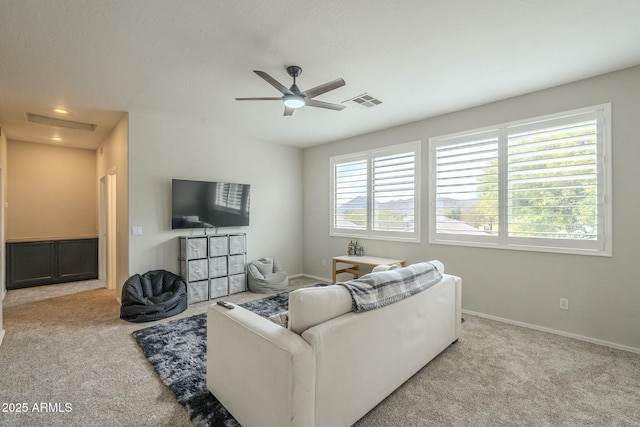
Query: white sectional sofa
x,y
332,365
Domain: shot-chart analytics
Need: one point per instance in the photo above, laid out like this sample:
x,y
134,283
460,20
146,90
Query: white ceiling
x,y
193,57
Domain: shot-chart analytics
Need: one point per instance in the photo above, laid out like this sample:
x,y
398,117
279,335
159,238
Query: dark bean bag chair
x,y
153,295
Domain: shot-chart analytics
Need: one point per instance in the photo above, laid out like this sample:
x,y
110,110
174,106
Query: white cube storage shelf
x,y
218,245
236,264
218,266
213,266
237,244
237,283
196,269
218,287
197,291
193,248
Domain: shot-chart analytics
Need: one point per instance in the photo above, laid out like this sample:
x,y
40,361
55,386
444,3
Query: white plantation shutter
x,y
393,191
553,179
374,194
467,185
542,184
350,194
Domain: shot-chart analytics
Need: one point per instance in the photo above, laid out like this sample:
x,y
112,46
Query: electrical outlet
x,y
324,262
136,231
564,304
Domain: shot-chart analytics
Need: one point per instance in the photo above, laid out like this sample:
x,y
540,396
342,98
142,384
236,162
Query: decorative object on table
x,y
154,295
267,275
354,249
351,248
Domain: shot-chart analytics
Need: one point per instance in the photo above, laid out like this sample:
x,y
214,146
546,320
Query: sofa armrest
x,y
261,372
458,282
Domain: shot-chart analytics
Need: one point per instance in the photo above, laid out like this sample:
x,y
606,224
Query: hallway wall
x,y
51,192
3,166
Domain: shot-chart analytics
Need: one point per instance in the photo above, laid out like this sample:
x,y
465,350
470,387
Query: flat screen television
x,y
201,204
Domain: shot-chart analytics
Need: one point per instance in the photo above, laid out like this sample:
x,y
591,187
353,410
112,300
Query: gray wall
x,y
162,148
603,292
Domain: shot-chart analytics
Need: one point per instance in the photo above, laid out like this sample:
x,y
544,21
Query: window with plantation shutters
x,y
466,171
374,193
541,184
351,194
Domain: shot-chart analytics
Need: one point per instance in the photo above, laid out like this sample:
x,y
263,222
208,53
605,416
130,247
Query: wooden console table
x,y
361,261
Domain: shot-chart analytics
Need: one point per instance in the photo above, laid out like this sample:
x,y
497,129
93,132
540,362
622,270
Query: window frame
x,y
603,246
369,156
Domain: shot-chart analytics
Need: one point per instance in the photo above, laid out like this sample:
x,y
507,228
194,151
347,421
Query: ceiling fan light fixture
x,y
293,98
294,101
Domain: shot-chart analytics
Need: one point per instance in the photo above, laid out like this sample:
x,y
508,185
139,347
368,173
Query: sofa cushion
x,y
311,306
437,264
384,267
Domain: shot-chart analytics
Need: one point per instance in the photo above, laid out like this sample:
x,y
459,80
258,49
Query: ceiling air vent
x,y
364,100
52,121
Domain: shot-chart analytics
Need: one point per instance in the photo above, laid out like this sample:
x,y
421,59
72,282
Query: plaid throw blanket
x,y
382,288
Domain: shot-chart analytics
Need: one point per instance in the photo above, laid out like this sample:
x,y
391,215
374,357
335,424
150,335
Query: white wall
x,y
163,148
53,179
113,156
603,293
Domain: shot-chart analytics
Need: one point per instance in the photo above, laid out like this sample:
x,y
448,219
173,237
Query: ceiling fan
x,y
293,97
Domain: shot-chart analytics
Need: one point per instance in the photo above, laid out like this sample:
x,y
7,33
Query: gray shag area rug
x,y
178,352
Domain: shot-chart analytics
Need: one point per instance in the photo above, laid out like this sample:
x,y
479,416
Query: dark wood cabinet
x,y
51,261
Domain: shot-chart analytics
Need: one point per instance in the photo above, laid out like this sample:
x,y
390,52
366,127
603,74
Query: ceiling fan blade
x,y
319,90
322,104
288,111
260,99
273,82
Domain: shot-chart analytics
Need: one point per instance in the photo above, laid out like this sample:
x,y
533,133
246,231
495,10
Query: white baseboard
x,y
321,279
554,331
1,336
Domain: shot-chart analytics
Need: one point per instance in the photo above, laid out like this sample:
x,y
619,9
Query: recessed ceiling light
x,y
60,110
56,138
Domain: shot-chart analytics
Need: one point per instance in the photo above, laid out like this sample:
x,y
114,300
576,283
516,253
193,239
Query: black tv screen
x,y
201,204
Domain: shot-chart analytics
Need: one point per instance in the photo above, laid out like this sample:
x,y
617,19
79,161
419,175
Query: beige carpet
x,y
68,346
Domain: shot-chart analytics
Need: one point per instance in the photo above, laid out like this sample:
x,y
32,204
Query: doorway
x,y
108,229
3,284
